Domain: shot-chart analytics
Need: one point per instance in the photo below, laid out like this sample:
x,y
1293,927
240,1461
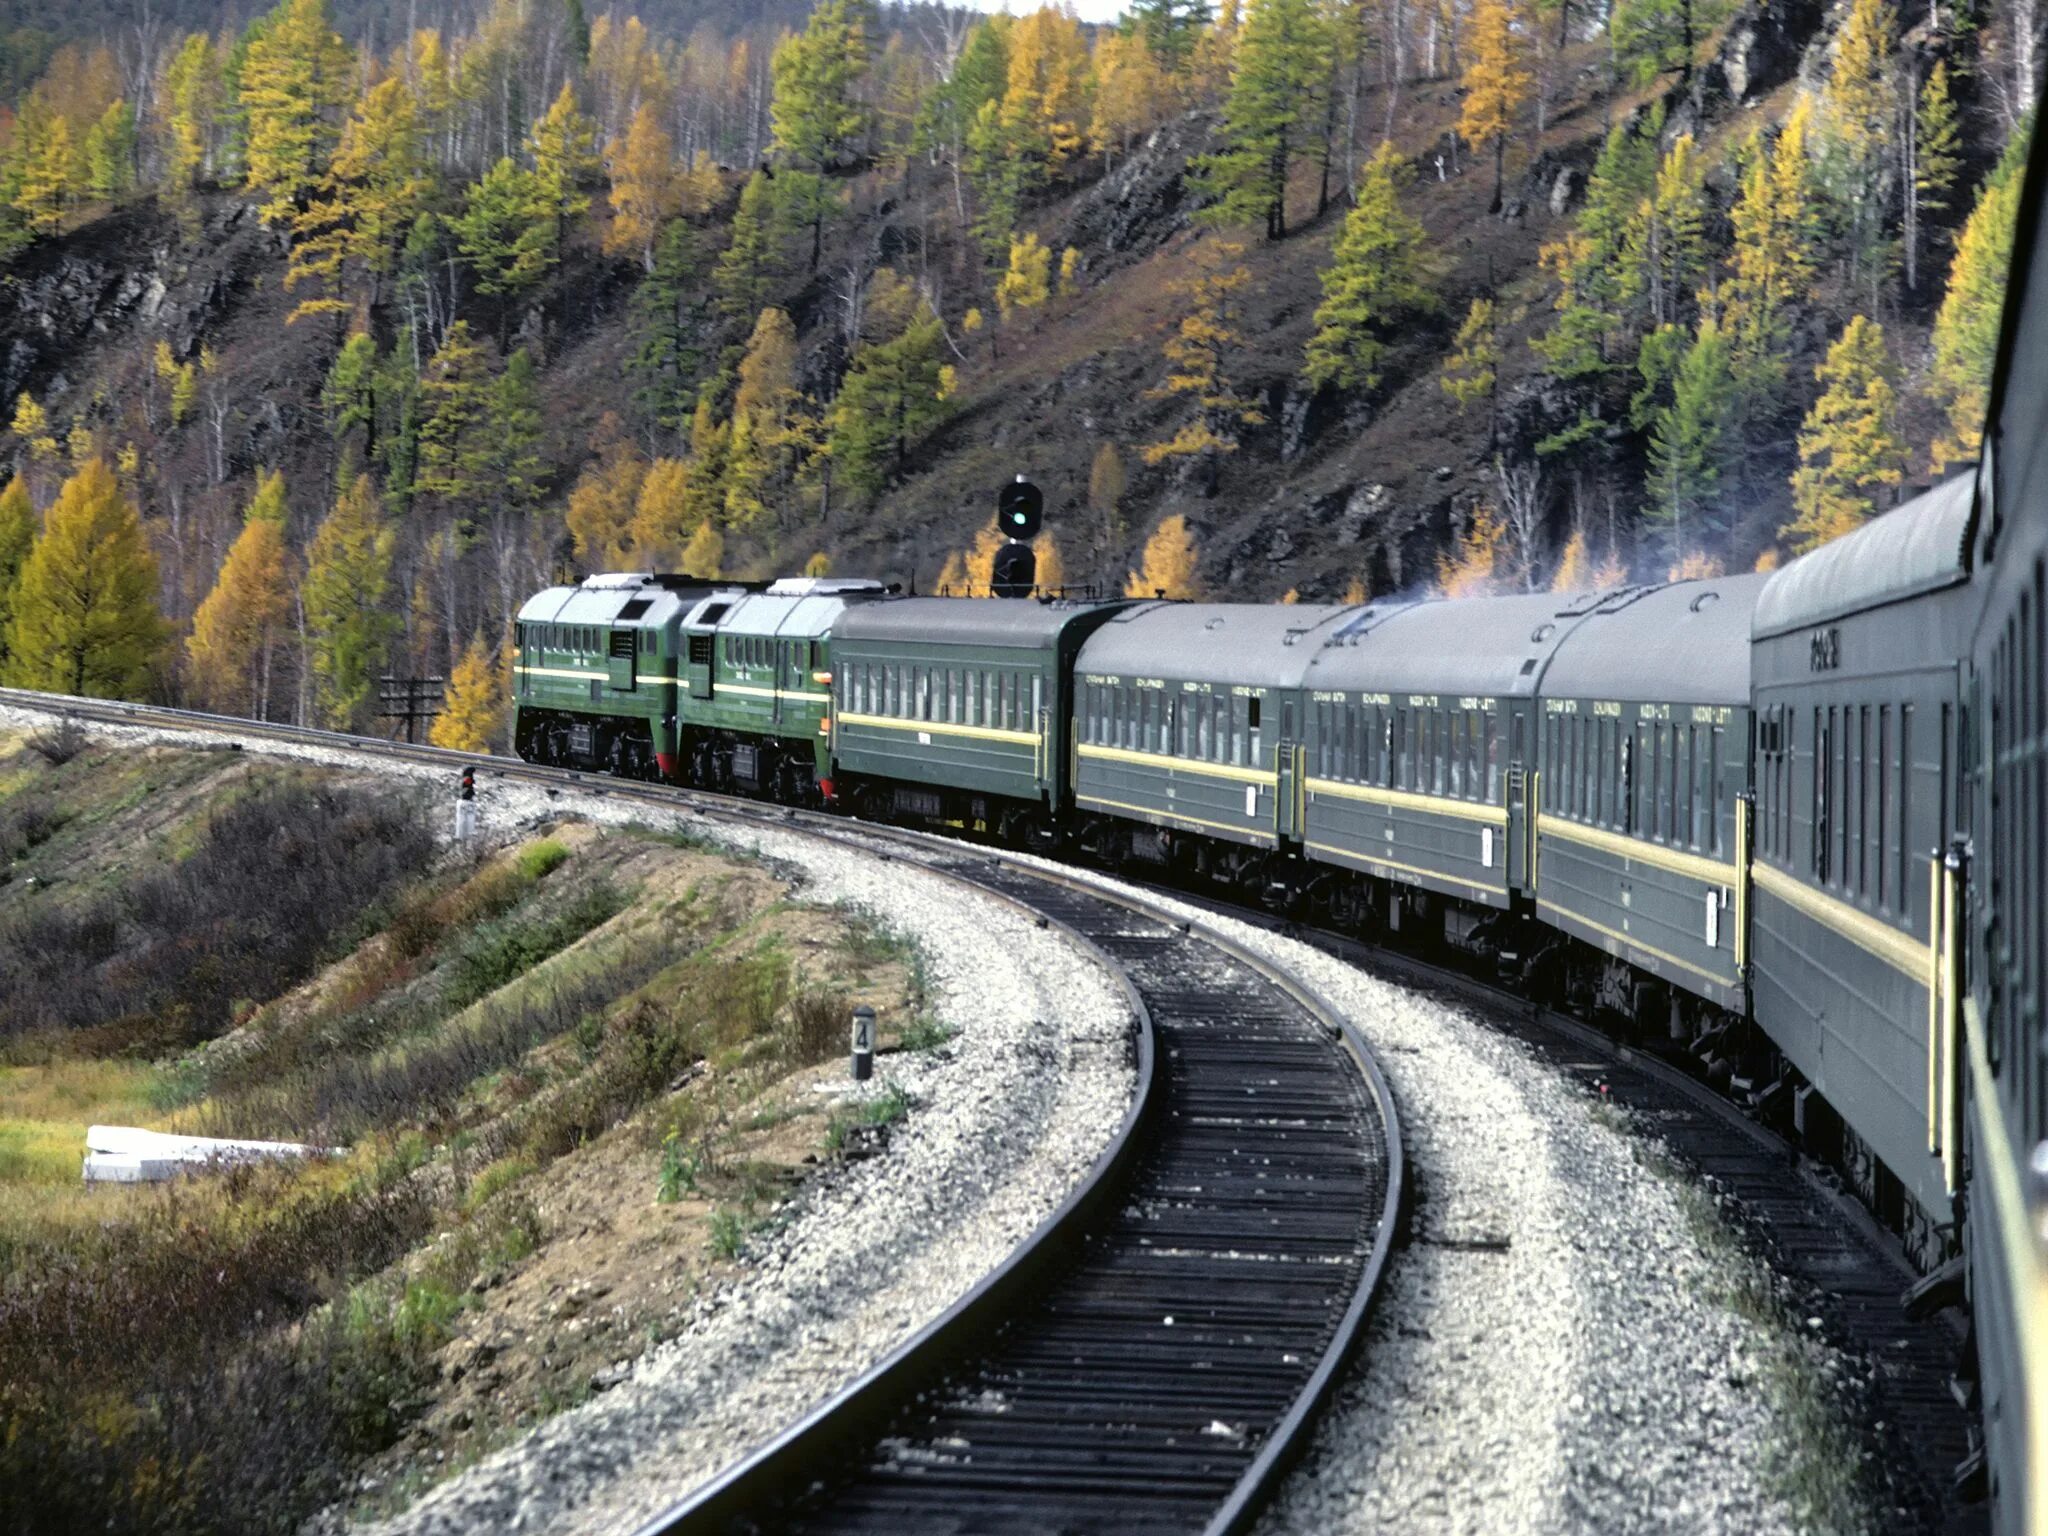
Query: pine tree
x,y
1650,37
1771,264
1170,28
1470,371
1028,282
110,146
1690,440
85,614
478,698
818,118
1198,354
506,234
564,146
1937,137
746,272
1849,444
17,537
236,629
890,398
366,203
348,578
1106,484
1282,65
296,79
1375,275
1497,83
1966,326
1169,565
644,188
456,447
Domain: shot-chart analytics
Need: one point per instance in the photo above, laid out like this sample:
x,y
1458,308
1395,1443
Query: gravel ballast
x,y
1554,1350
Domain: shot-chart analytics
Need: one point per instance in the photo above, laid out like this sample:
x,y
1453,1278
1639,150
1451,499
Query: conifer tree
x,y
671,314
1028,282
765,407
348,579
478,698
506,235
191,106
1966,326
952,108
1772,264
1170,28
237,627
1859,109
456,447
1375,275
1281,67
43,176
110,146
1497,83
644,187
17,537
564,146
1106,483
85,614
746,272
295,80
704,555
513,436
349,395
1690,440
1134,92
1650,37
1169,565
1937,156
606,497
1850,443
1470,370
1664,251
365,204
890,398
1044,109
818,117
1198,355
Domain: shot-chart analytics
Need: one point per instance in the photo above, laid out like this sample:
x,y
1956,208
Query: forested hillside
x,y
326,340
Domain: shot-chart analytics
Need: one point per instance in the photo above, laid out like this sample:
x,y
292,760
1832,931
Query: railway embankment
x,y
603,1155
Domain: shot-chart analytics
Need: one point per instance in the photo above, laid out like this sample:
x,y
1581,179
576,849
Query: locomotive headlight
x,y
822,677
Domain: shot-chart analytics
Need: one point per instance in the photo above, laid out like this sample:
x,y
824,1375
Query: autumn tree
x,y
1169,565
1134,92
85,616
456,445
952,108
365,204
644,187
17,537
745,274
1028,282
1966,326
1375,275
1859,114
1771,265
348,580
1106,484
766,432
1471,567
42,178
1282,67
606,497
295,81
1574,565
1664,248
1497,83
1198,356
237,628
704,555
190,103
1043,114
110,146
473,716
1849,444
1170,29
564,148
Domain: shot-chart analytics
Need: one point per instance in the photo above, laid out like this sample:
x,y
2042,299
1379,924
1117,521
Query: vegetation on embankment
x,y
571,1062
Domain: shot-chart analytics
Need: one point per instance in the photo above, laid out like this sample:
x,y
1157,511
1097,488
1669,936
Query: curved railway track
x,y
1152,1357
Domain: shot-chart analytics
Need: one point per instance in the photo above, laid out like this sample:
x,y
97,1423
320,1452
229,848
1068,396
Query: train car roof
x,y
1021,623
1260,645
804,613
1916,548
1686,643
628,597
1480,646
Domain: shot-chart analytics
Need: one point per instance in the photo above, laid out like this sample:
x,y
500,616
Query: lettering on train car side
x,y
1240,691
1712,714
1475,703
1826,650
1560,706
1149,682
1339,696
1653,711
1607,709
1422,701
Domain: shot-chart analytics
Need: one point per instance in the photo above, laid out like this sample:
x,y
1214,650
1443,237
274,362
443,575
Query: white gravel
x,y
1551,1353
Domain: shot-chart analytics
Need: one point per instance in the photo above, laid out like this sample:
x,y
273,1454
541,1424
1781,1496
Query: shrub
x,y
501,952
57,744
820,1024
538,860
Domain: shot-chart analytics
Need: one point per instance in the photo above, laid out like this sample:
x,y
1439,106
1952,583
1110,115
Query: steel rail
x,y
801,1454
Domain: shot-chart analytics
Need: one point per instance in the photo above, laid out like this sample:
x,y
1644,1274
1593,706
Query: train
x,y
1789,822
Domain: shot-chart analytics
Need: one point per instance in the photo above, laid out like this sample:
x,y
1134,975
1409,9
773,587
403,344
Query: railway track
x,y
1152,1357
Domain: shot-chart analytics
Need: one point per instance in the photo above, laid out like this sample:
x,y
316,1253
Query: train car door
x,y
1287,768
779,679
1516,782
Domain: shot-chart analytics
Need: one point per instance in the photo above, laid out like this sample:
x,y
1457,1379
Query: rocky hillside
x,y
604,403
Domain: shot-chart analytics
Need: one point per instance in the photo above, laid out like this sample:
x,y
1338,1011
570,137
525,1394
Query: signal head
x,y
1020,509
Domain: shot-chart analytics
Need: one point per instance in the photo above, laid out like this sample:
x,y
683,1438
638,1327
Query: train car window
x,y
1397,745
1883,765
1823,753
1844,787
953,695
1439,750
1667,783
1905,798
1493,754
1714,790
1037,698
1454,751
